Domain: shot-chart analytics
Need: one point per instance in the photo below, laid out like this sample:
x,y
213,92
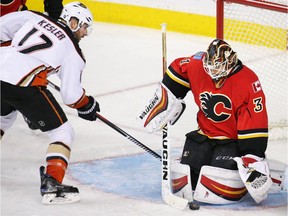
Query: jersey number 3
x,y
258,104
46,42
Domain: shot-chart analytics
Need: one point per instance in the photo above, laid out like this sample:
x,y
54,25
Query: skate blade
x,y
52,199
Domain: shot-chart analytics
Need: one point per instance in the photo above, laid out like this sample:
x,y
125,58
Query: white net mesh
x,y
259,36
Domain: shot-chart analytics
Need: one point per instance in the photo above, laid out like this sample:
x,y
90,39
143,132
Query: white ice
x,y
124,64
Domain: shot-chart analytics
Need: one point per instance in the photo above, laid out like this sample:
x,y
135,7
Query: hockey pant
x,y
199,150
41,108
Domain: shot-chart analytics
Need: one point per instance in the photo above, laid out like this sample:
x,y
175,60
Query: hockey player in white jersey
x,y
42,46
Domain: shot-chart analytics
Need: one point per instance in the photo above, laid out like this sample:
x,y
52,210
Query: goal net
x,y
258,31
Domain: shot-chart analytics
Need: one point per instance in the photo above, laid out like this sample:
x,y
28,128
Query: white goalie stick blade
x,y
171,199
167,194
52,199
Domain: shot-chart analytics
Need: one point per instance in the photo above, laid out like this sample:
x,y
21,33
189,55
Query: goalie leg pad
x,y
219,186
164,107
181,180
279,176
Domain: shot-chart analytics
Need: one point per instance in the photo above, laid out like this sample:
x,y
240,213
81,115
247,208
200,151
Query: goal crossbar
x,y
254,3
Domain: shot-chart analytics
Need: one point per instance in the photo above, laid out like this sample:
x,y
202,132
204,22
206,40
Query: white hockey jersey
x,y
40,47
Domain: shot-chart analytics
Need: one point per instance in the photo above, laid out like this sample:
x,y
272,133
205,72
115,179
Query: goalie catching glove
x,y
88,112
164,107
255,174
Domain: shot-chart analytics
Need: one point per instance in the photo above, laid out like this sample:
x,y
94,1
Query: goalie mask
x,y
78,11
219,60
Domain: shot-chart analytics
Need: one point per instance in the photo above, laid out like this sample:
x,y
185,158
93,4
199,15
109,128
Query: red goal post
x,y
258,31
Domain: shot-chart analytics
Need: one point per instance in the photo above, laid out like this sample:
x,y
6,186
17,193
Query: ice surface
x,y
124,64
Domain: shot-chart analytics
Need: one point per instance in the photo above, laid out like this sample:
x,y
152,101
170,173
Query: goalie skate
x,y
55,193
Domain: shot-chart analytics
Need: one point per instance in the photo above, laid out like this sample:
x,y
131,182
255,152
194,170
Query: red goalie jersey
x,y
236,110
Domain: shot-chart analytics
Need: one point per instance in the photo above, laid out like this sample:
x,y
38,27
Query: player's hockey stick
x,y
167,194
119,130
129,137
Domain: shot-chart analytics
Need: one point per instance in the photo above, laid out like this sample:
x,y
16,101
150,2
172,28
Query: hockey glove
x,y
88,111
164,107
255,174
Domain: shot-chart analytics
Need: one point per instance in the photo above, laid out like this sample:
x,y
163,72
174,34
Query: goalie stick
x,y
167,195
119,130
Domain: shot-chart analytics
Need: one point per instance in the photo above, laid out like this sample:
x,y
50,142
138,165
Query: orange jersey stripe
x,y
51,104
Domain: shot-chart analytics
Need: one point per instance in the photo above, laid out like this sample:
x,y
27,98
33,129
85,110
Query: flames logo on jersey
x,y
216,107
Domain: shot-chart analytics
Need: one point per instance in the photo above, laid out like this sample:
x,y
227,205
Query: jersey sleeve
x,y
252,123
72,93
176,78
12,22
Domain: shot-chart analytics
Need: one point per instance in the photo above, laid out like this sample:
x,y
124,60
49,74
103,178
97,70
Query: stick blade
x,y
174,201
171,199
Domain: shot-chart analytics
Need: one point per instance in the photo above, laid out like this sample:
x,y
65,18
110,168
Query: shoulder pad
x,y
198,55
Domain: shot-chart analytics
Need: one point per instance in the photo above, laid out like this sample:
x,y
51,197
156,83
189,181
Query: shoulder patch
x,y
198,55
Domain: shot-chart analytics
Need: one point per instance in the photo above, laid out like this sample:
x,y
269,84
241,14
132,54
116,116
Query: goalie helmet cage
x,y
258,32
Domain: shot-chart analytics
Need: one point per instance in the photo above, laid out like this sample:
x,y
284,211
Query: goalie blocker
x,y
164,107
